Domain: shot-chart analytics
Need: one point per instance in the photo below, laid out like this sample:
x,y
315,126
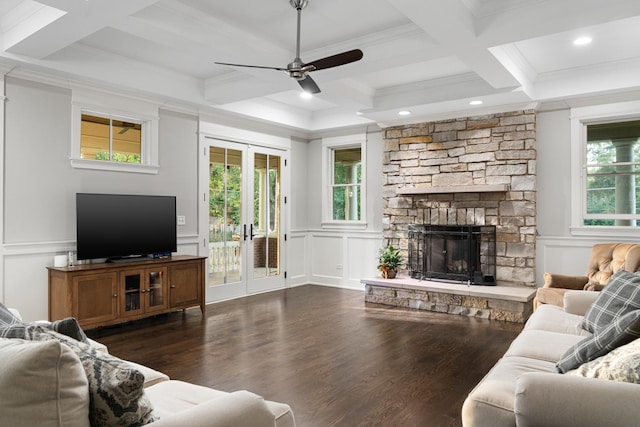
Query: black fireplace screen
x,y
459,253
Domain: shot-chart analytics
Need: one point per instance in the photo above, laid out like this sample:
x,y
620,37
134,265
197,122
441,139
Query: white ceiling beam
x,y
453,26
39,38
549,17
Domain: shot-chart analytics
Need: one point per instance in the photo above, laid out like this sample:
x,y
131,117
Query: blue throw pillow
x,y
621,331
620,296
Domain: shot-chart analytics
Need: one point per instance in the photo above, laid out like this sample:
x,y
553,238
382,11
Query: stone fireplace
x,y
473,171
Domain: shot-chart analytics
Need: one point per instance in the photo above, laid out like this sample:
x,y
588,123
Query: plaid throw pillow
x,y
621,331
12,327
7,317
620,296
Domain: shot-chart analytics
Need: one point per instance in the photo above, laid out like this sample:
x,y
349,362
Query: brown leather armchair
x,y
606,259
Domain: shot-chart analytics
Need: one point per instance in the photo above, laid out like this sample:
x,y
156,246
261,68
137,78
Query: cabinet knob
x,y
115,295
143,291
173,286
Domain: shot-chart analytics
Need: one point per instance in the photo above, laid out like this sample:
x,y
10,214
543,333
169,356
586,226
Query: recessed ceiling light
x,y
475,102
359,113
305,95
404,113
581,41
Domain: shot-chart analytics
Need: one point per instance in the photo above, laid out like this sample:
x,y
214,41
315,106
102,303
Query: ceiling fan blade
x,y
308,85
251,66
336,60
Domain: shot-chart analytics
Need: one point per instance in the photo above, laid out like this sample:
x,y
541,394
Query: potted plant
x,y
388,261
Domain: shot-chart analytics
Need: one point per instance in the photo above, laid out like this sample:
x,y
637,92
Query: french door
x,y
244,219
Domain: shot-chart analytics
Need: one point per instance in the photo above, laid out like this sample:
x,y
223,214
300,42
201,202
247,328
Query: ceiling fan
x,y
298,69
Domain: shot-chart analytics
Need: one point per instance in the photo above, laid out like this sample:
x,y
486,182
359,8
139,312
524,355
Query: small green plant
x,y
388,261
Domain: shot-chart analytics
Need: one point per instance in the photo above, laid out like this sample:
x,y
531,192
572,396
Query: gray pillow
x,y
7,317
12,327
68,327
620,296
621,331
115,386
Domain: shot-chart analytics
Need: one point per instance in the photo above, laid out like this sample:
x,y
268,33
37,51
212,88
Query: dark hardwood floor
x,y
336,360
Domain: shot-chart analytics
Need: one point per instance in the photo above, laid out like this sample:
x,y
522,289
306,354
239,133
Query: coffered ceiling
x,y
429,57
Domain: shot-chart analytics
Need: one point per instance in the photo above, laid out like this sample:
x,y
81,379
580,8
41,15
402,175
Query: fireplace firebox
x,y
453,253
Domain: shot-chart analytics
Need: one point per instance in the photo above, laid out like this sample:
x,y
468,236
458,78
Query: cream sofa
x,y
524,388
44,383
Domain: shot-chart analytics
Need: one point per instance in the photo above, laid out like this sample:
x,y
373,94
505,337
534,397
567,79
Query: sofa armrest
x,y
546,399
553,280
237,409
578,302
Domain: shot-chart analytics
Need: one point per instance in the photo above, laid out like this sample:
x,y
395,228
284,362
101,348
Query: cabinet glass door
x,y
133,291
155,289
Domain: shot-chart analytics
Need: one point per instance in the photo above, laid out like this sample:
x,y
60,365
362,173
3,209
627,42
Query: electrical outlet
x,y
182,220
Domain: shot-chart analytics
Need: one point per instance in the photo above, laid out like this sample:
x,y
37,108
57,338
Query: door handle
x,y
244,233
251,231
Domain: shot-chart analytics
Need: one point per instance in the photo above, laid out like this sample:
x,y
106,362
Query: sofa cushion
x,y
554,319
621,295
116,388
621,364
542,345
621,331
42,384
491,402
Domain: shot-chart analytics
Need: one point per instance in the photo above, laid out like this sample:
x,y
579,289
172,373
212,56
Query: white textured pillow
x,y
621,364
42,384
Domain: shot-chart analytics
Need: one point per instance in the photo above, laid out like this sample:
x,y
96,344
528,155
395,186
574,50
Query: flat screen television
x,y
125,227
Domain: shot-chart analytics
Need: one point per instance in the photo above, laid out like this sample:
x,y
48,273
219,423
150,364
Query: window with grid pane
x,y
346,184
110,139
612,174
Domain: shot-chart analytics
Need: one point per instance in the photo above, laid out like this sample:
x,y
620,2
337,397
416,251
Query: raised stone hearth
x,y
511,304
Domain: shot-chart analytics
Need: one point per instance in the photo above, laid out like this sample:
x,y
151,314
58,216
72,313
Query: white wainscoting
x,y
343,258
296,261
566,255
24,273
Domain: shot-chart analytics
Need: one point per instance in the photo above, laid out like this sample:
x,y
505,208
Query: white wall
x,y
343,257
556,249
40,186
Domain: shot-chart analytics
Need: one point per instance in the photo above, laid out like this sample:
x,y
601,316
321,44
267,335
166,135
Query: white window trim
x,y
106,105
328,145
580,118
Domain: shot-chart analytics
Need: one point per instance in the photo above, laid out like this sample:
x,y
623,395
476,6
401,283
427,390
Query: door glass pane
x,y
225,204
266,216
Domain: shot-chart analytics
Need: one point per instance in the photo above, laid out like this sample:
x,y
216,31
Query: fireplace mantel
x,y
494,188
